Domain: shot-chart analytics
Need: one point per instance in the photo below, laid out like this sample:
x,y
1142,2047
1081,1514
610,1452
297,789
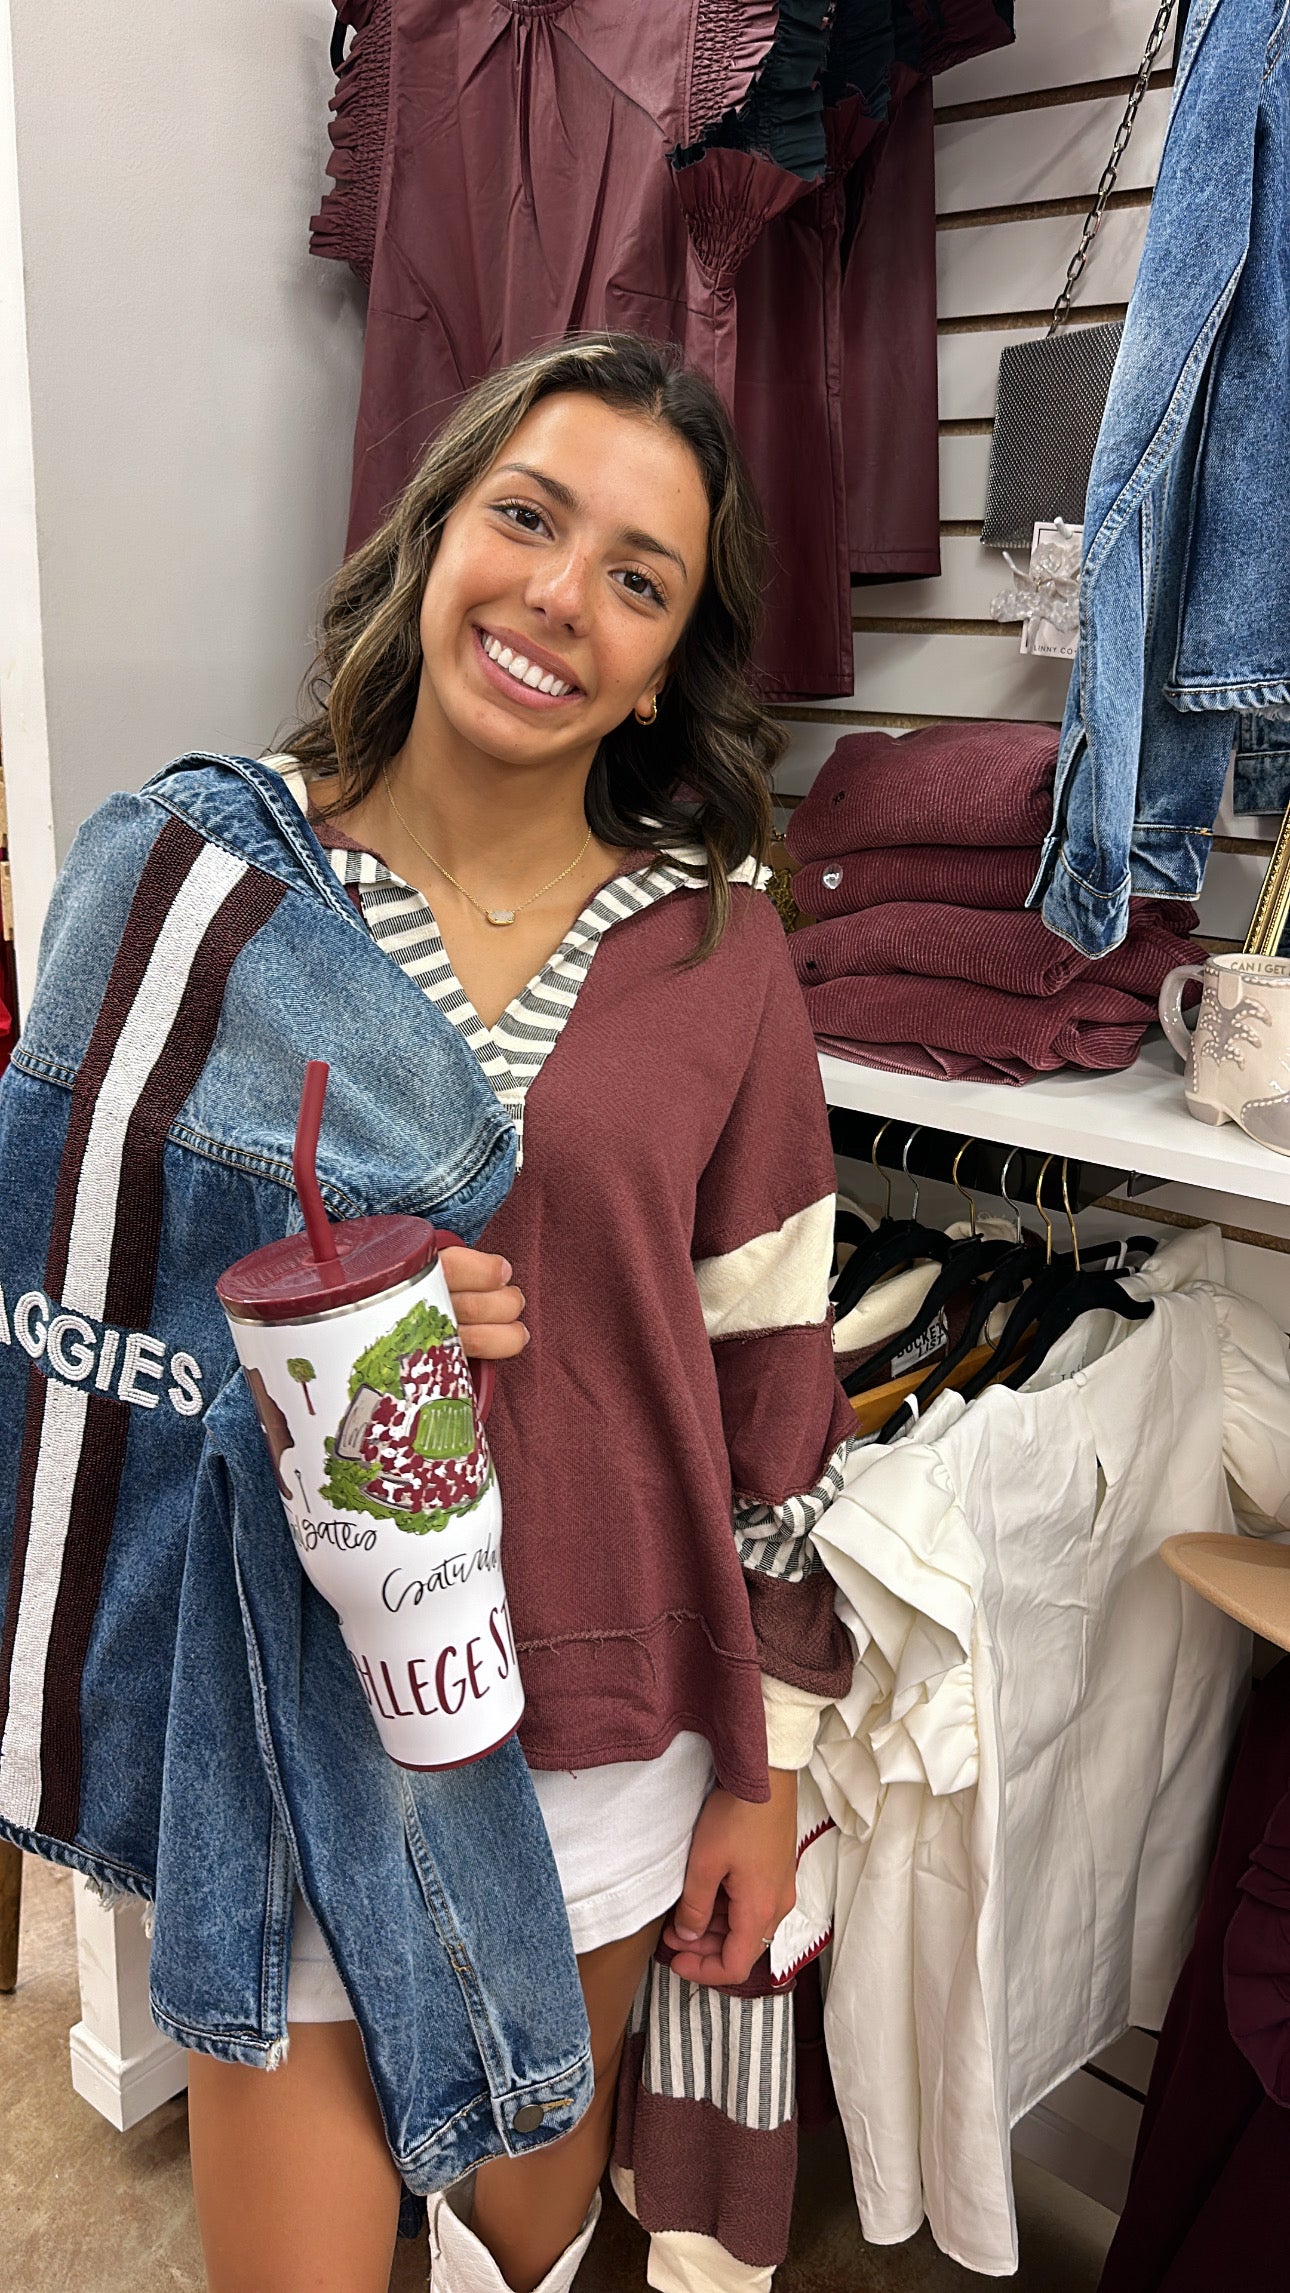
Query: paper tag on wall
x,y
1055,553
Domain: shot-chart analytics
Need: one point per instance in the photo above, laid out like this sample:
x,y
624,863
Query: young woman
x,y
537,767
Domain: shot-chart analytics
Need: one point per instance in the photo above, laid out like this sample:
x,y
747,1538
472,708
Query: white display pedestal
x,y
121,2064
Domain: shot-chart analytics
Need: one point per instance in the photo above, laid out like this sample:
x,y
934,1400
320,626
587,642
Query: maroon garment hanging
x,y
889,381
1209,2199
503,175
790,412
524,192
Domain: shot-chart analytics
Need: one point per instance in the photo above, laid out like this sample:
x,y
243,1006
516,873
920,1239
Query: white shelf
x,y
1136,1120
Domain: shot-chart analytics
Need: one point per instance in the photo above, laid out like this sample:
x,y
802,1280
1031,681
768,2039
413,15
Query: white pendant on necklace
x,y
500,915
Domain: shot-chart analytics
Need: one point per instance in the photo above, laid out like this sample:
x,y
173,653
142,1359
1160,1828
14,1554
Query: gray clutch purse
x,y
1052,393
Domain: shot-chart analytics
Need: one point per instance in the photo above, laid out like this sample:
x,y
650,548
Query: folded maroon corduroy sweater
x,y
967,876
949,1028
1013,951
976,783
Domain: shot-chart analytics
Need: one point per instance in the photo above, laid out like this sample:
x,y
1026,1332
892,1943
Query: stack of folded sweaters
x,y
917,854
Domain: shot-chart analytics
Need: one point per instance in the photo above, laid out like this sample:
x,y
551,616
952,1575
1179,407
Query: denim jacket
x,y
178,1716
1185,595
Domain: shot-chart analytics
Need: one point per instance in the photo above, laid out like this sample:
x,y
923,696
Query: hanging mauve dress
x,y
508,171
523,190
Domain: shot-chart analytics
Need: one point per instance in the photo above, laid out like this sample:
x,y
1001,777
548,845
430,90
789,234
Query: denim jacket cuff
x,y
1093,922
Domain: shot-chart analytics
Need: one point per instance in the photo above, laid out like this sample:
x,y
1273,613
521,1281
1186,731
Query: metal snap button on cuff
x,y
527,2120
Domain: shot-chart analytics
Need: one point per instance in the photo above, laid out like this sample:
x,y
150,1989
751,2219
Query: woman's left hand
x,y
486,1303
741,1880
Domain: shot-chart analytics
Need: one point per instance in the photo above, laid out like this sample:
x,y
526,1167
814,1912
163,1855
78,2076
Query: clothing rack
x,y
932,1154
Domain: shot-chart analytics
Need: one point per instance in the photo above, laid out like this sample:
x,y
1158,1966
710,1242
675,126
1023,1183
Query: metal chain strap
x,y
1093,221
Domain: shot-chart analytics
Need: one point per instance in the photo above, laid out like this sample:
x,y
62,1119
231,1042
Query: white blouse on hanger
x,y
1026,1775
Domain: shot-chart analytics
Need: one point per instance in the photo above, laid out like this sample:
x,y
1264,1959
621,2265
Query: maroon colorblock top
x,y
660,1442
680,1117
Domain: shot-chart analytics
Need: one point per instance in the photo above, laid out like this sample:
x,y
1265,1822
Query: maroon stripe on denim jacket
x,y
29,1458
163,874
132,1270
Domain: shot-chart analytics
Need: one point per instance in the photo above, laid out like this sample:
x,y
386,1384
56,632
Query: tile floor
x,y
84,2207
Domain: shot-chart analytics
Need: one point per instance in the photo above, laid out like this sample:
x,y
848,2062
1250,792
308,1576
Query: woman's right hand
x,y
486,1303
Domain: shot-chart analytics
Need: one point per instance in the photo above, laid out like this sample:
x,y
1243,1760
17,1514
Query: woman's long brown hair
x,y
701,773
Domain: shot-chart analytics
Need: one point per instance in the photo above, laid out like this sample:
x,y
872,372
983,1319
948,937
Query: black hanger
x,y
967,1262
1087,1290
1054,1272
893,1242
1023,1261
1043,1275
848,1227
1019,1265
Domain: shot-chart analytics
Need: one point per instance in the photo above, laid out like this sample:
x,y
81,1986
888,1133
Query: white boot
x,y
460,2264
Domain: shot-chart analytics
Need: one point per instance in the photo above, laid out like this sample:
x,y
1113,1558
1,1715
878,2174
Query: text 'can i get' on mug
x,y
348,1342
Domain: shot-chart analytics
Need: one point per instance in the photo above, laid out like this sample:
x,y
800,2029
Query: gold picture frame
x,y
1267,934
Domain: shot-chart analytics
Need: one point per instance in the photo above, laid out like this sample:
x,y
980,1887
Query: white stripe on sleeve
x,y
778,1280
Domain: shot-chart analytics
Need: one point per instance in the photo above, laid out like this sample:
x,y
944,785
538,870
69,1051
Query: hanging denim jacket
x,y
178,1716
1185,595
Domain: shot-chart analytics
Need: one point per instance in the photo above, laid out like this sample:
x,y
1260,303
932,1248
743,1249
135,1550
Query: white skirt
x,y
621,1839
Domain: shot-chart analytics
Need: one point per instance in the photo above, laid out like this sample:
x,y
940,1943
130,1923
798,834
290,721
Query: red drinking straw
x,y
304,1163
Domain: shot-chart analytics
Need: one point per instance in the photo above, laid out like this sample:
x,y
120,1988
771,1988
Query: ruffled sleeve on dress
x,y
344,229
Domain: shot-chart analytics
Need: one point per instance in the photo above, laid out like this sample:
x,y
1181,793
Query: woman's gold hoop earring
x,y
652,718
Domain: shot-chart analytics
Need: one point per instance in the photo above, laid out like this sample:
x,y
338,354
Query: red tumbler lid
x,y
327,1266
284,1282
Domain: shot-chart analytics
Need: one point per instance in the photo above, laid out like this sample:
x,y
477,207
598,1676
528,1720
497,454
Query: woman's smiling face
x,y
563,581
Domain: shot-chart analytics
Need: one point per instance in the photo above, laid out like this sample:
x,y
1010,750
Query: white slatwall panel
x,y
1020,266
1060,43
965,464
968,370
1054,153
958,677
970,577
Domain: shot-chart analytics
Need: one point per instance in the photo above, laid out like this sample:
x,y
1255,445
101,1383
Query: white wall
x,y
193,372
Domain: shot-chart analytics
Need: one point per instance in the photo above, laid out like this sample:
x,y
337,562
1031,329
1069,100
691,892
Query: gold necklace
x,y
498,916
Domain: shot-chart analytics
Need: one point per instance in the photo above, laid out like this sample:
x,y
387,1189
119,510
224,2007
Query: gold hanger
x,y
904,1164
879,1172
1066,1205
954,1181
1039,1205
1012,1154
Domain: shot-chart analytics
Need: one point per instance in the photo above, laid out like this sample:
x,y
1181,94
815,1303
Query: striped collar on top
x,y
513,1052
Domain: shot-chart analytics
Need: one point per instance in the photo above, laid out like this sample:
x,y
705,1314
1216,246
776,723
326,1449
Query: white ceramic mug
x,y
1238,1055
384,1469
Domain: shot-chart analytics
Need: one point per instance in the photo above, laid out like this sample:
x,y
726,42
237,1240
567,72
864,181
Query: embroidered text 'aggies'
x,y
105,1361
